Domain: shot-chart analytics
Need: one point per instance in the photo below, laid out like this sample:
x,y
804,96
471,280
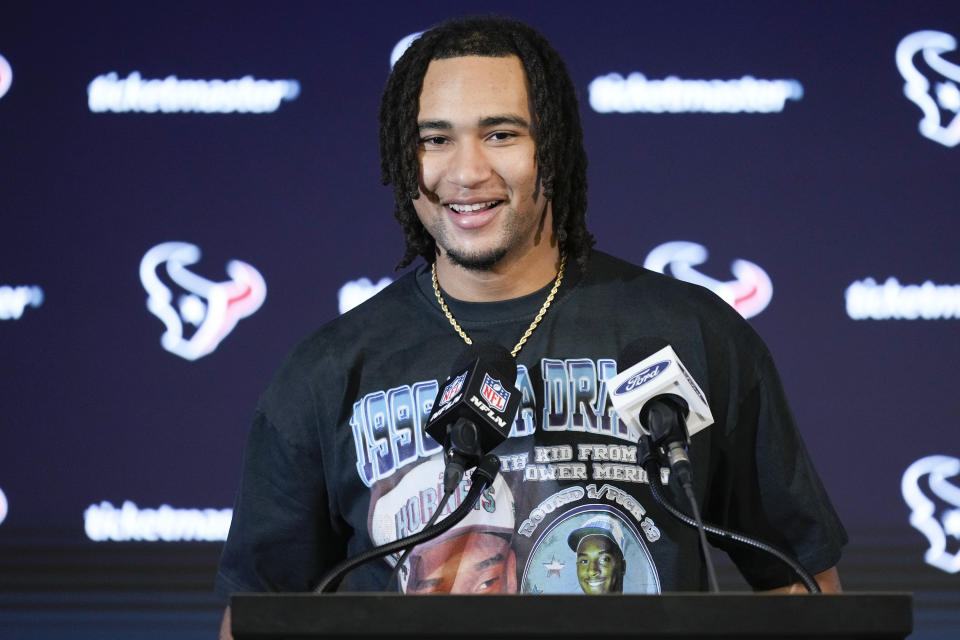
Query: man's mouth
x,y
476,207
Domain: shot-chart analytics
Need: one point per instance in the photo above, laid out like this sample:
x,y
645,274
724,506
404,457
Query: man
x,y
599,548
480,138
600,565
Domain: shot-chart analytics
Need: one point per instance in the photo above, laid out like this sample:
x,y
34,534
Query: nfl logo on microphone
x,y
494,393
453,388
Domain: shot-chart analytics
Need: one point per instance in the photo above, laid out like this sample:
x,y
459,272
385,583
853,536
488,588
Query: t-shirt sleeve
x,y
280,538
769,489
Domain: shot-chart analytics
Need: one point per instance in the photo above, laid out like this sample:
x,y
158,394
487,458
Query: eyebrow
x,y
492,560
429,582
488,121
434,124
492,121
479,566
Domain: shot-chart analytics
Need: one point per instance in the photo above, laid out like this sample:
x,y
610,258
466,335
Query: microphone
x,y
475,409
664,415
662,401
659,398
471,415
658,373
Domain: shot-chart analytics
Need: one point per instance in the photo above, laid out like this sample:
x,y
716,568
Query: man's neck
x,y
508,279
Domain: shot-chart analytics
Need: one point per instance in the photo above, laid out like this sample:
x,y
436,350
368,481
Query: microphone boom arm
x,y
656,488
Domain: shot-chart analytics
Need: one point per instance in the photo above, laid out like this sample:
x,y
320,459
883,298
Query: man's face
x,y
478,170
472,563
600,565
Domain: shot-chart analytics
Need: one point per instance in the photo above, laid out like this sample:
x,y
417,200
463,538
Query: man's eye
x,y
502,135
435,140
487,584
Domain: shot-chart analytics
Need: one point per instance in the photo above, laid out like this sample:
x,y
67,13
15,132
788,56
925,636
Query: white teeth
x,y
469,208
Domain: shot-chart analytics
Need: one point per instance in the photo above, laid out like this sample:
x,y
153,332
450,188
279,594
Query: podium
x,y
674,616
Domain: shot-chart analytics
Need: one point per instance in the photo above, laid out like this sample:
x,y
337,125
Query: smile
x,y
473,208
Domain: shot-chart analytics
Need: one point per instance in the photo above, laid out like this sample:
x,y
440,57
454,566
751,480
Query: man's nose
x,y
470,166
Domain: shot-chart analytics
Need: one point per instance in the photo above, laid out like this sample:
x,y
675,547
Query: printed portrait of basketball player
x,y
474,561
473,557
599,548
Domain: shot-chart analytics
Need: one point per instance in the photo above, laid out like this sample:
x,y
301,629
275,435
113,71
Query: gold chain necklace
x,y
533,325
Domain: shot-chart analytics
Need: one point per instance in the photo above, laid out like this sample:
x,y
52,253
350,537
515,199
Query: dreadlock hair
x,y
560,156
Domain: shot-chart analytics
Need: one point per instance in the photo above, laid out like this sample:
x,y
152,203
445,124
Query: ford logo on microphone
x,y
642,377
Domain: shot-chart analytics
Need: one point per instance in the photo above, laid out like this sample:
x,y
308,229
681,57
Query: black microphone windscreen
x,y
480,389
492,355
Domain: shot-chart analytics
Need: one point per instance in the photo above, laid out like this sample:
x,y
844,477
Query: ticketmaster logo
x,y
636,94
13,300
103,522
867,300
172,95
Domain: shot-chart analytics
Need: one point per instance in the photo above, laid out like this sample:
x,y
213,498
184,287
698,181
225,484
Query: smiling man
x,y
479,198
480,138
599,548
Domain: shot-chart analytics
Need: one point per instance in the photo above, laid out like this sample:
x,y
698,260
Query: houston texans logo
x,y
934,502
6,76
212,307
935,88
402,45
749,292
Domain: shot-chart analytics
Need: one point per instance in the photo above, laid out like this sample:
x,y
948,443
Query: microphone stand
x,y
482,478
664,417
652,467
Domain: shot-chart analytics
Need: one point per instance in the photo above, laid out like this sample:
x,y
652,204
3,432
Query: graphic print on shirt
x,y
388,431
474,556
563,508
594,548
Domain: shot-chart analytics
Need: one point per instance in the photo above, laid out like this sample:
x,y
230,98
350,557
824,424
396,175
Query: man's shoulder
x,y
375,324
380,310
626,293
639,284
382,316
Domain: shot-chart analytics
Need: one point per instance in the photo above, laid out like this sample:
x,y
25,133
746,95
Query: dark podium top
x,y
673,616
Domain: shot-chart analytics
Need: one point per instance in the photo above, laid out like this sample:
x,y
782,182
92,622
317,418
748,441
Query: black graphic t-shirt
x,y
337,461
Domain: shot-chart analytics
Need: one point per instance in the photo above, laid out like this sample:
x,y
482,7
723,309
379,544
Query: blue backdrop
x,y
801,157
